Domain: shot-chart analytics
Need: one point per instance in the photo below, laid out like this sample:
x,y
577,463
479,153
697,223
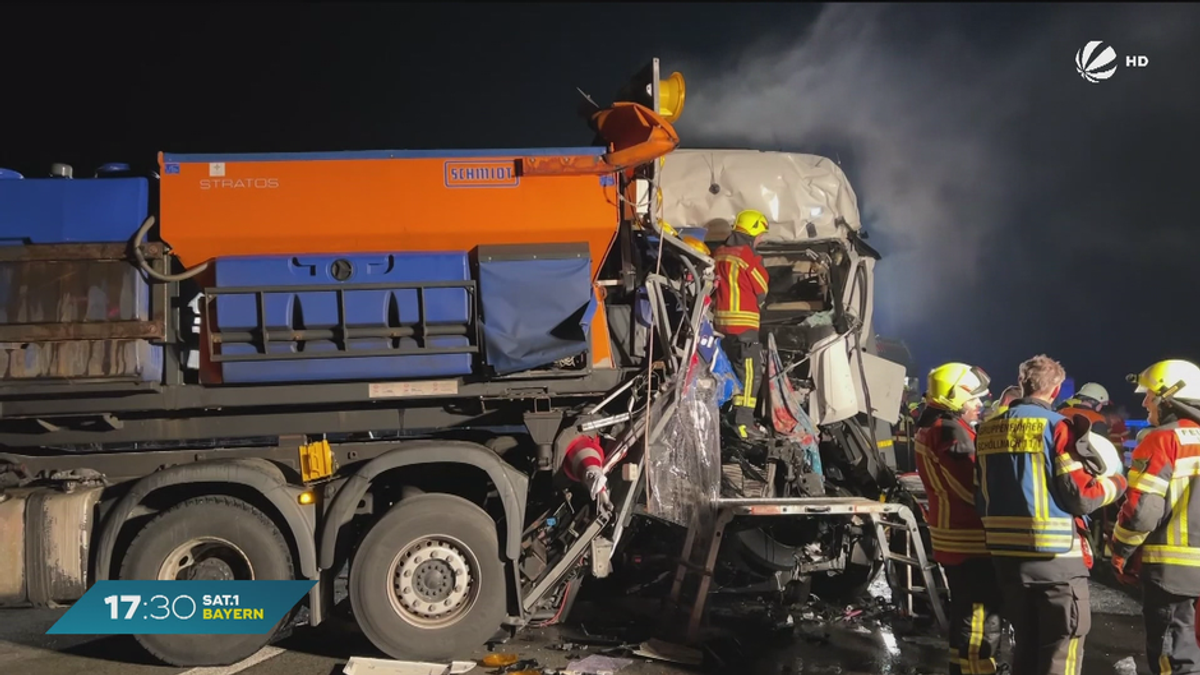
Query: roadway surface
x,y
809,647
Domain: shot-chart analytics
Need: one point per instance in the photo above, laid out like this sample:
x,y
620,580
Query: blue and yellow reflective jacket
x,y
1016,462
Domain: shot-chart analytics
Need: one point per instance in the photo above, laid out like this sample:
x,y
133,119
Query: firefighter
x,y
945,448
1066,403
1152,531
1087,402
1032,488
916,408
741,288
1007,396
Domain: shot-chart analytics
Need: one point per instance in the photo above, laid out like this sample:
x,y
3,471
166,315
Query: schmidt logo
x,y
1096,65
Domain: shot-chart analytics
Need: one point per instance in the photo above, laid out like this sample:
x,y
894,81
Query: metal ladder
x,y
694,571
914,559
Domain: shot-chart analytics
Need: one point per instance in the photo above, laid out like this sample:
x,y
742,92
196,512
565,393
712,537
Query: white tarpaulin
x,y
803,196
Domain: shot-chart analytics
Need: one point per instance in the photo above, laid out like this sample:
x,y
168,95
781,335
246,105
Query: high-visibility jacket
x,y
742,285
945,448
1160,518
1099,422
1032,486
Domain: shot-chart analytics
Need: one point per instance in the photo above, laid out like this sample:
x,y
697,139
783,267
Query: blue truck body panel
x,y
62,211
364,308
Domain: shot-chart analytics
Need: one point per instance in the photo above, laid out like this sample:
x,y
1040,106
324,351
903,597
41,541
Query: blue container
x,y
61,211
375,308
52,291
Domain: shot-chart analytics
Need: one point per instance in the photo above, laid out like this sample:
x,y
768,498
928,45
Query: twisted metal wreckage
x,y
831,470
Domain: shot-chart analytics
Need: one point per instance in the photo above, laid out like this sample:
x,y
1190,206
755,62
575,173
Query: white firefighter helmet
x,y
1102,449
1094,391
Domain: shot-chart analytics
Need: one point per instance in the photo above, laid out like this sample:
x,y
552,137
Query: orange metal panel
x,y
212,208
602,356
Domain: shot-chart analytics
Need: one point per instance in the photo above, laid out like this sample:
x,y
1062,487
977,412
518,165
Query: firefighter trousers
x,y
1050,623
975,602
1171,647
745,355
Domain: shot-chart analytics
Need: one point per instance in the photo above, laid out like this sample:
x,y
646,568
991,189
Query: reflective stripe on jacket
x,y
945,453
1032,484
1160,516
743,284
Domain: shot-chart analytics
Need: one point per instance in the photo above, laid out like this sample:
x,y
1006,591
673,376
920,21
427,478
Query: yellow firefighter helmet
x,y
750,222
951,385
1173,377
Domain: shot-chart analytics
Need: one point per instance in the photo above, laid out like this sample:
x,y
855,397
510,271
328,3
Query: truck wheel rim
x,y
207,559
434,581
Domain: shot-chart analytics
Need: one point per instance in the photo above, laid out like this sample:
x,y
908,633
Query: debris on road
x,y
522,667
499,660
1126,666
596,665
659,650
358,665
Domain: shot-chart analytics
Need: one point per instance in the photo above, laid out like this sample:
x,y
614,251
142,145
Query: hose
x,y
862,371
138,241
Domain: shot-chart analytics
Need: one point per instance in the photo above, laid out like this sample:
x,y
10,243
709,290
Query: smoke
x,y
963,132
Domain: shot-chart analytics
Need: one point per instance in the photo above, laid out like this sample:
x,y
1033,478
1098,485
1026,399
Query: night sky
x,y
1019,208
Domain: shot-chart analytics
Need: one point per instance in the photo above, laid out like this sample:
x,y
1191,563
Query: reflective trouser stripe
x,y
974,664
1074,663
747,399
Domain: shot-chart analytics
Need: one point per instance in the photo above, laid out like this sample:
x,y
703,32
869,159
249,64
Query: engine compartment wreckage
x,y
362,357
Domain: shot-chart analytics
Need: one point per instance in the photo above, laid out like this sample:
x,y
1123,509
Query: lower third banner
x,y
181,607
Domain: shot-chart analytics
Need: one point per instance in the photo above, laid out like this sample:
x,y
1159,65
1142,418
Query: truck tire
x,y
208,538
427,582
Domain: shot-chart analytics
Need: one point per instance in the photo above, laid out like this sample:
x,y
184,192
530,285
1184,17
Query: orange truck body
x,y
214,206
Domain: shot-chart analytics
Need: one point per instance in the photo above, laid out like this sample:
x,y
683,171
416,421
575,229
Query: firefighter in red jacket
x,y
945,448
1153,527
741,289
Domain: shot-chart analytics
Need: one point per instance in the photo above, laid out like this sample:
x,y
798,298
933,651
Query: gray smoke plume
x,y
976,149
